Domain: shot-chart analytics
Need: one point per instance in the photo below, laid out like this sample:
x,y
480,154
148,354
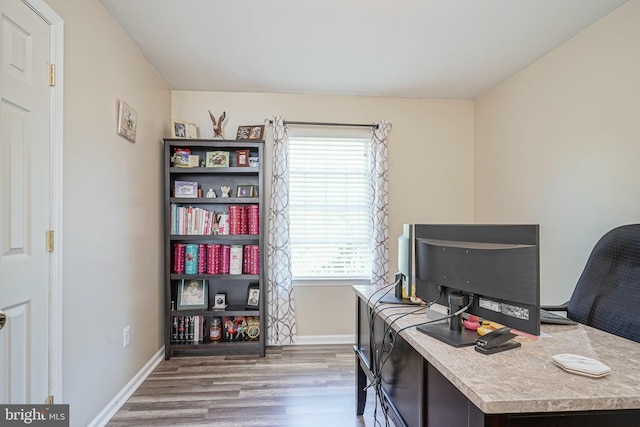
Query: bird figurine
x,y
217,126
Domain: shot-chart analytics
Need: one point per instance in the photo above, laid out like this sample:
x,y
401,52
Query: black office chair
x,y
607,295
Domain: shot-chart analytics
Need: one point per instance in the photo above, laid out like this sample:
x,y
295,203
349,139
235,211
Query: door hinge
x,y
49,400
52,75
50,241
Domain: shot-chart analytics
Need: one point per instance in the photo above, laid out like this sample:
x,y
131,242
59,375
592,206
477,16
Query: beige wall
x,y
430,167
112,218
558,144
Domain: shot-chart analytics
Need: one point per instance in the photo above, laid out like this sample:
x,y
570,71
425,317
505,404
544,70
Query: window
x,y
330,209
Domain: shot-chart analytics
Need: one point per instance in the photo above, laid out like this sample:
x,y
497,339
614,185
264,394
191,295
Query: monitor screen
x,y
492,268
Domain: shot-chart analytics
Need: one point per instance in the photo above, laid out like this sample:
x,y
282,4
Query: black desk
x,y
428,383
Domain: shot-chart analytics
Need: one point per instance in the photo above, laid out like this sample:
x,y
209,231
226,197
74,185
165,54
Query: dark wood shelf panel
x,y
238,277
218,238
232,310
242,170
236,144
222,347
215,201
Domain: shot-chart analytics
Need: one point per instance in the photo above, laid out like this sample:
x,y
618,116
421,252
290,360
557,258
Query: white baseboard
x,y
324,339
116,403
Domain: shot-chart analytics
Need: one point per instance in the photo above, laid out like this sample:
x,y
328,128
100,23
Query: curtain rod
x,y
287,122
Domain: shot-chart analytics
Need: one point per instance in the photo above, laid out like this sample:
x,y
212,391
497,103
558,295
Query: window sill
x,y
329,282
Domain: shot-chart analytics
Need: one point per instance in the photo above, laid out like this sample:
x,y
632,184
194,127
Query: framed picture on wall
x,y
127,121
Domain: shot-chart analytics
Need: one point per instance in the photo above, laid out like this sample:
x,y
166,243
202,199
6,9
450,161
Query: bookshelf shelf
x,y
216,244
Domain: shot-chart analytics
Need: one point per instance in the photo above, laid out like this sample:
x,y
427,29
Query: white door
x,y
24,204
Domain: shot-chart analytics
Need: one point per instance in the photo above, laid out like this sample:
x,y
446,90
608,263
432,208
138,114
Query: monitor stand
x,y
452,332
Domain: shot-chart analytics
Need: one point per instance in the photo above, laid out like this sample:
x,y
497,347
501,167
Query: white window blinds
x,y
330,208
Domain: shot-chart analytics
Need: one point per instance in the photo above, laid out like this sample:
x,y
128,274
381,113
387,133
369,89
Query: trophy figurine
x,y
217,125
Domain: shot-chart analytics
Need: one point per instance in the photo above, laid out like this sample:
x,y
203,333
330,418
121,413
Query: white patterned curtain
x,y
380,211
281,320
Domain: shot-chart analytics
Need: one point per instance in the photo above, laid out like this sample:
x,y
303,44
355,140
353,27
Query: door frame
x,y
56,106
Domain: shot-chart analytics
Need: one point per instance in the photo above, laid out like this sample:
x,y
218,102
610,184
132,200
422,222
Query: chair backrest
x,y
607,295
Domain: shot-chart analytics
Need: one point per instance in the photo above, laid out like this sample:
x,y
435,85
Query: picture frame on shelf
x,y
242,158
253,297
193,160
127,121
245,191
191,131
257,132
220,302
186,189
178,129
180,158
243,132
193,294
217,159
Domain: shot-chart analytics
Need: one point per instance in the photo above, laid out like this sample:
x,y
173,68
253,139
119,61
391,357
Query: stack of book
x,y
215,259
187,329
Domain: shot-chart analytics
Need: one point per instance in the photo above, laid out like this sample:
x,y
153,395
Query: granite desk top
x,y
525,379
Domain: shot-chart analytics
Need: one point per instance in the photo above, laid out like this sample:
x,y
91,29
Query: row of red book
x,y
215,259
239,219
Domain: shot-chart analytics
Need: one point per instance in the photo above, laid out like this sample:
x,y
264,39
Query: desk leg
x,y
361,383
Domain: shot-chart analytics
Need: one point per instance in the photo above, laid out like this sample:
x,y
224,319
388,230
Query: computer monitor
x,y
495,267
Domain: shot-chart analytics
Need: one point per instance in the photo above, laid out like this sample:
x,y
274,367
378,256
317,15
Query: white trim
x,y
56,106
329,282
121,398
324,339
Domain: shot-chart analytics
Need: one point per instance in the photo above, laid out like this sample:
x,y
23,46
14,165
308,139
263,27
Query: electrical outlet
x,y
125,337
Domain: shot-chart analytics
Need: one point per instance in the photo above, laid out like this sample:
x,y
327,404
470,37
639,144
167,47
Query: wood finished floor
x,y
293,386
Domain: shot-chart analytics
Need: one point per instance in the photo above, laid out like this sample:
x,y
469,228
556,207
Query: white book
x,y
235,259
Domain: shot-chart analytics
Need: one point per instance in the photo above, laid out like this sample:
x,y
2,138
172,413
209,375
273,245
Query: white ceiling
x,y
394,48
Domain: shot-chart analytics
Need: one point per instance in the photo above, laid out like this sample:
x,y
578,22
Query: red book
x,y
225,257
202,258
234,219
253,219
179,251
213,259
254,264
246,259
244,229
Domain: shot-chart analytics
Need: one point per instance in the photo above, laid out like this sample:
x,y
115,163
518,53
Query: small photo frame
x,y
220,302
246,191
187,189
193,294
217,159
193,160
178,129
253,296
242,158
257,132
243,132
127,121
192,131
